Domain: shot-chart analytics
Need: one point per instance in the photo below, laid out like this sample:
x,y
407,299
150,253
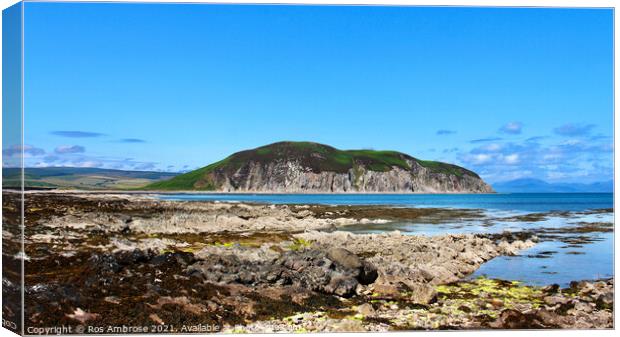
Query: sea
x,y
552,260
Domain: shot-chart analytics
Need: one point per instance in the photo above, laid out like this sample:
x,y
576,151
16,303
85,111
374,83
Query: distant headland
x,y
307,167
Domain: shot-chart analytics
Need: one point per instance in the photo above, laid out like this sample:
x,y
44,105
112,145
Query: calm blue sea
x,y
567,263
524,202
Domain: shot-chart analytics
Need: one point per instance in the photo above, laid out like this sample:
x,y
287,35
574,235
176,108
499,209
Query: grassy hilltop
x,y
83,178
314,156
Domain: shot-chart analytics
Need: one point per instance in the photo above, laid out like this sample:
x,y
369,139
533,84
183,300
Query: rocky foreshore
x,y
110,260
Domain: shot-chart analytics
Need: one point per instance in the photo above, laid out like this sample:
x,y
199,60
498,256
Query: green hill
x,y
80,178
314,157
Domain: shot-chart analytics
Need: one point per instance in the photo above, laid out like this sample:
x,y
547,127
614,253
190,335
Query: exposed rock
x,y
295,167
514,319
367,273
605,301
347,325
554,300
409,266
180,264
366,309
344,258
337,272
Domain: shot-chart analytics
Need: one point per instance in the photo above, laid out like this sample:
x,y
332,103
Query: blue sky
x,y
508,93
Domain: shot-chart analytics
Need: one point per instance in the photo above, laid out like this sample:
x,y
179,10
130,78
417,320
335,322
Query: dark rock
x,y
180,258
605,301
551,289
344,258
550,318
368,273
514,319
577,284
465,309
335,272
342,286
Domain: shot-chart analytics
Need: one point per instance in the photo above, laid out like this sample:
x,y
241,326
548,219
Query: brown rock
x,y
156,319
497,303
366,309
422,293
554,300
348,325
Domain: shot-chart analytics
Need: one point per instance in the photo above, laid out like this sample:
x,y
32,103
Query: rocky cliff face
x,y
293,177
304,167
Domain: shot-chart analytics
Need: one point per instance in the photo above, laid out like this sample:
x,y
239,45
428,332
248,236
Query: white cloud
x,y
88,163
64,149
27,150
512,158
492,147
565,160
481,158
513,128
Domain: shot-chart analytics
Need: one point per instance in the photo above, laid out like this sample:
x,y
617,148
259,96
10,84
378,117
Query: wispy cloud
x,y
598,137
144,166
574,130
512,128
444,132
450,150
133,140
570,160
65,149
83,160
28,150
76,156
77,134
535,139
484,140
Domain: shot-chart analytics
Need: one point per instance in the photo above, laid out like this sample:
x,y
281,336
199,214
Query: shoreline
x,y
262,267
191,192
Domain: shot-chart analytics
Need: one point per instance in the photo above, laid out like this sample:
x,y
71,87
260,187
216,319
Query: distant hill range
x,y
81,178
306,167
102,179
539,186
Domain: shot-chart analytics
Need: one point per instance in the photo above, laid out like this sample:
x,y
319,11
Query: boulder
x,y
341,285
344,258
366,271
422,293
336,271
366,309
554,300
605,301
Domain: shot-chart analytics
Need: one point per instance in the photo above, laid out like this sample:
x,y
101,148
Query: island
x,y
308,167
